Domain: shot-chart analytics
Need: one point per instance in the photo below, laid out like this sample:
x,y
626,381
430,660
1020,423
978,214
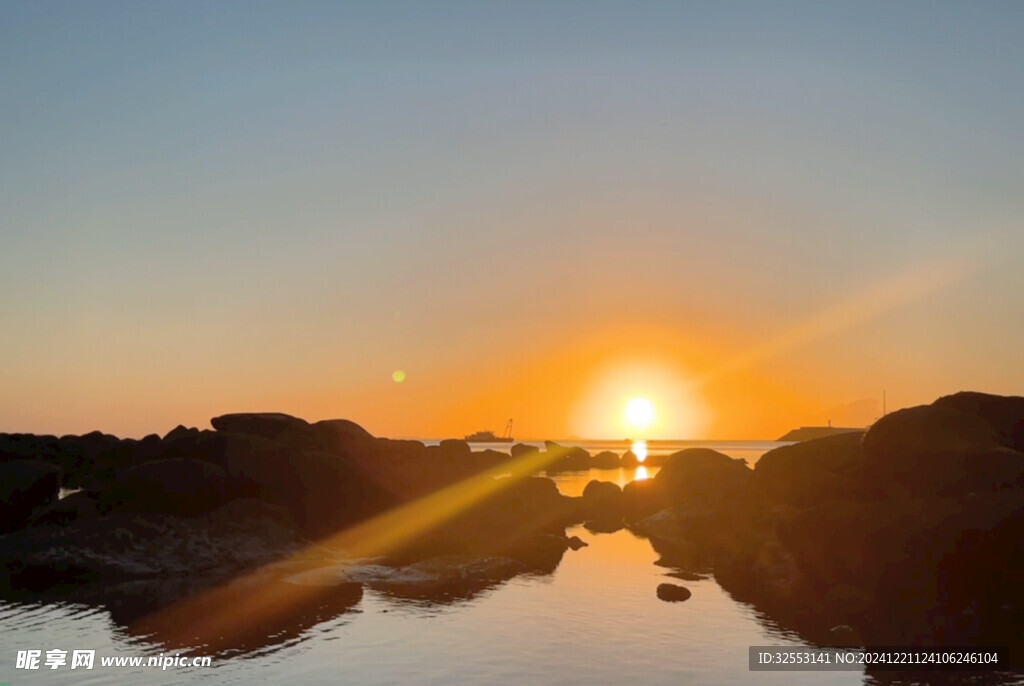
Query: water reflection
x,y
639,449
641,474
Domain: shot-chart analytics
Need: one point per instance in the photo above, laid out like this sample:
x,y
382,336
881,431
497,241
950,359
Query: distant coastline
x,y
810,433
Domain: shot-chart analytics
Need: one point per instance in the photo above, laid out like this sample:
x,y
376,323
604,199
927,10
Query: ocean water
x,y
596,620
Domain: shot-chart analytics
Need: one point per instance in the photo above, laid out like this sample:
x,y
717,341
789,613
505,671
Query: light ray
x,y
216,618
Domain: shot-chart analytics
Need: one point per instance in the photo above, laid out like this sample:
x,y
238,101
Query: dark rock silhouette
x,y
672,593
813,472
605,459
1003,414
934,448
909,535
178,486
602,505
520,449
629,460
26,488
702,473
71,508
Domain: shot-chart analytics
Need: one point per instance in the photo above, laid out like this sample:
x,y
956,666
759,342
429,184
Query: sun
x,y
640,413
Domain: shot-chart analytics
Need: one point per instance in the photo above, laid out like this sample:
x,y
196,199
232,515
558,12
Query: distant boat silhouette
x,y
491,437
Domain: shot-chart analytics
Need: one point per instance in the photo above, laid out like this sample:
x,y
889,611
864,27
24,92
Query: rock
x,y
520,449
924,430
541,552
605,459
26,488
602,500
181,487
561,458
291,431
933,449
575,543
455,449
643,498
179,432
341,435
1004,414
813,472
705,474
672,593
126,546
322,491
70,508
629,460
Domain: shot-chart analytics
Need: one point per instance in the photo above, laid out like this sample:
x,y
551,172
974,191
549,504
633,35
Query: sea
x,y
596,620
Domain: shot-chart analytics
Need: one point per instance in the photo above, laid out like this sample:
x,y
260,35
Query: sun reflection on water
x,y
639,449
641,474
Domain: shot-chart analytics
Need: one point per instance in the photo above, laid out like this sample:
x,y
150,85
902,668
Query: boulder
x,y
643,498
70,508
456,450
322,491
1004,414
933,449
705,474
925,430
629,460
520,449
26,488
672,593
277,426
602,501
341,435
813,472
565,459
181,487
605,459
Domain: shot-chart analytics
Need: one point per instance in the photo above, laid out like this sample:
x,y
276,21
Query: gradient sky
x,y
757,214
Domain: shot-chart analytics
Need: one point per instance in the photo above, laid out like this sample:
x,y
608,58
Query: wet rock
x,y
70,508
26,488
672,593
63,560
575,543
541,552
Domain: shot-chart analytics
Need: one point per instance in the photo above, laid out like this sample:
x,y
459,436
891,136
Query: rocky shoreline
x,y
908,533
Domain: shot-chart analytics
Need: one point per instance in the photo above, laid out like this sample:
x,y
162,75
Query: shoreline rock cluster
x,y
911,533
908,533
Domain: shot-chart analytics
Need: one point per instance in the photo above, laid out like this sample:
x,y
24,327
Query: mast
x,y
508,430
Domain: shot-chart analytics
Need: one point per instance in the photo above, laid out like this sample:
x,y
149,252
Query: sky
x,y
756,215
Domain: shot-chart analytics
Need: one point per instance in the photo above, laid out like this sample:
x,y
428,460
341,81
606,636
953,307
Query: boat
x,y
491,437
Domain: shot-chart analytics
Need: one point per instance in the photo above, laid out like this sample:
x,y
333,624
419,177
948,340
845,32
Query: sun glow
x,y
640,413
650,398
